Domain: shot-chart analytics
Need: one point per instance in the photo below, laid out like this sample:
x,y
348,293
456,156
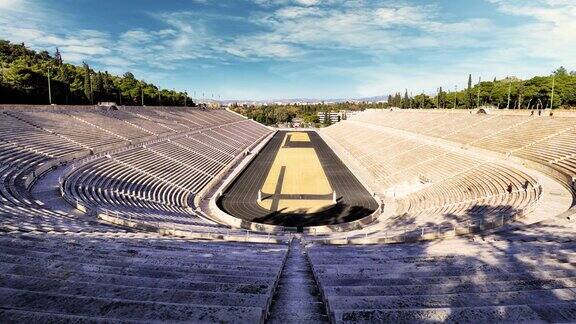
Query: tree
x,y
440,98
58,57
327,120
311,119
469,95
406,101
87,82
560,72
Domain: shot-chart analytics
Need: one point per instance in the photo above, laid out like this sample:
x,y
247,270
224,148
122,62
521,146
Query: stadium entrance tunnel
x,y
297,181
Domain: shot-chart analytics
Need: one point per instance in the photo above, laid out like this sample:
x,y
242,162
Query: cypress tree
x,y
469,92
405,102
87,82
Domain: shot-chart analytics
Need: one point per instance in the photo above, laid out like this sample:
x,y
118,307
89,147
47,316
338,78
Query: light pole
x,y
142,95
509,89
91,89
185,97
552,96
49,88
478,99
455,97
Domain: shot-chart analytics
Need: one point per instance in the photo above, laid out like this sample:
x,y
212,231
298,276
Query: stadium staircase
x,y
297,298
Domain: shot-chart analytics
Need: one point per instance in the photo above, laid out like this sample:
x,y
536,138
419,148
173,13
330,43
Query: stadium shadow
x,y
476,217
340,213
518,273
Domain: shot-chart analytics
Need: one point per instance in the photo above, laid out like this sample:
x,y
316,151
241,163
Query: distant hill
x,y
307,100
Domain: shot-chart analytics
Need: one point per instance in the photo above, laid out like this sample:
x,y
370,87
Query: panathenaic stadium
x,y
141,214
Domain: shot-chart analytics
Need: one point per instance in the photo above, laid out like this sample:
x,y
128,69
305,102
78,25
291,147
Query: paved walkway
x,y
47,190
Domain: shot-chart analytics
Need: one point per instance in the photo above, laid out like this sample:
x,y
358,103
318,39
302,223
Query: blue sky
x,y
266,49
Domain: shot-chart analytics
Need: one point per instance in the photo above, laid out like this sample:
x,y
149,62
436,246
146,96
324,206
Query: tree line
x,y
27,75
273,114
557,90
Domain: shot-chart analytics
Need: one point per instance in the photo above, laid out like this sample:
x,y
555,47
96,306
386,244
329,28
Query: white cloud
x,y
549,31
11,5
378,29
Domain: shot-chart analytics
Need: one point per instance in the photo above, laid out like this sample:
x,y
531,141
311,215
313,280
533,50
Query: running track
x,y
354,202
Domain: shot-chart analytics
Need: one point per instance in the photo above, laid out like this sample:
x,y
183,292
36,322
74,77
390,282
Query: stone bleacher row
x,y
33,138
501,280
58,267
162,177
549,140
134,278
435,186
514,274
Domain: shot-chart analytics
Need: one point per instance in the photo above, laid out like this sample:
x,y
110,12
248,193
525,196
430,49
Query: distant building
x,y
297,122
335,116
108,105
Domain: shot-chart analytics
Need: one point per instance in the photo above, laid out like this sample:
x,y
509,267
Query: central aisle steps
x,y
297,298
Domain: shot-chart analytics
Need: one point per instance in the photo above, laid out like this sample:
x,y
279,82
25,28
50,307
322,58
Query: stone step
x,y
135,272
452,300
556,313
191,283
298,318
92,289
259,261
493,286
493,314
145,247
295,280
127,266
301,306
22,316
119,309
369,269
302,292
296,299
478,278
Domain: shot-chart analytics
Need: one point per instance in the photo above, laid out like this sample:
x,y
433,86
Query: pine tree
x,y
397,99
58,57
98,87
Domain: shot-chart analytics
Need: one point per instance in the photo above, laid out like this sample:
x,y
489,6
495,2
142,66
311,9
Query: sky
x,y
272,49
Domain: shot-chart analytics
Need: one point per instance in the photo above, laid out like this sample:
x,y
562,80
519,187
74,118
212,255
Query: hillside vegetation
x,y
24,80
511,93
